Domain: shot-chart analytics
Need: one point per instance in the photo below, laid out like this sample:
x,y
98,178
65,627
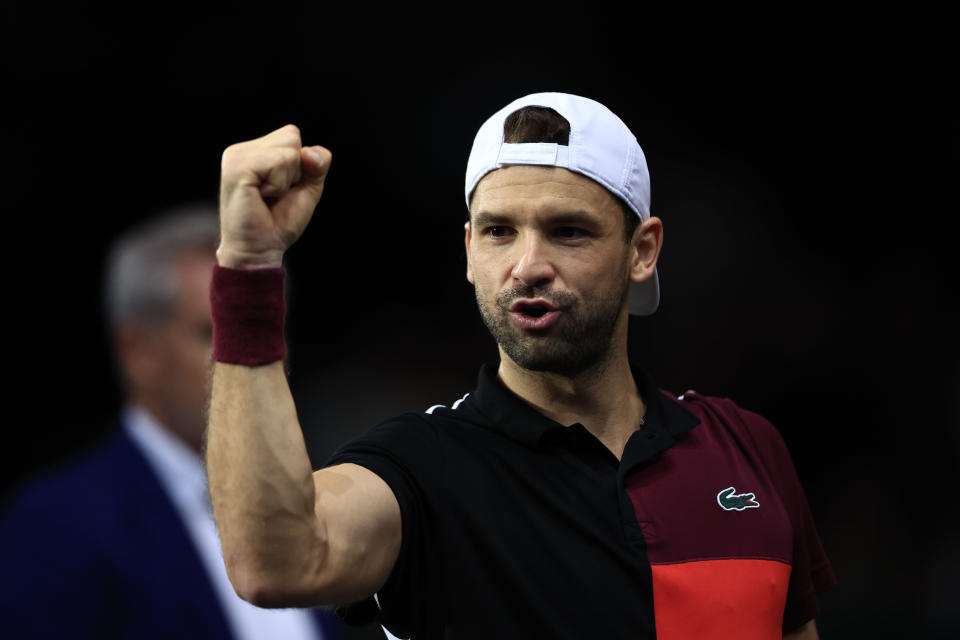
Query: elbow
x,y
251,585
270,589
258,590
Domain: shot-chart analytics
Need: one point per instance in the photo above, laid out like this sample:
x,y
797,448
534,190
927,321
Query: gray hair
x,y
140,285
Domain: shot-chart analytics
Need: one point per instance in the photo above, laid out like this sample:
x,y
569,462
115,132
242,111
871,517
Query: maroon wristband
x,y
248,315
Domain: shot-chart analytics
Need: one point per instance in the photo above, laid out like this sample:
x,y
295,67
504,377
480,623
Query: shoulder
x,y
724,413
398,430
406,440
415,451
79,491
752,434
415,429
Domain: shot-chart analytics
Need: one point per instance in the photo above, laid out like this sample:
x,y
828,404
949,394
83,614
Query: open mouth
x,y
533,314
534,311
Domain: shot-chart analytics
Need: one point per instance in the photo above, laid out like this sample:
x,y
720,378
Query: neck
x,y
603,398
189,434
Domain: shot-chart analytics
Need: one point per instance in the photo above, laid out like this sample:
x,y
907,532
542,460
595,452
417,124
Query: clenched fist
x,y
269,188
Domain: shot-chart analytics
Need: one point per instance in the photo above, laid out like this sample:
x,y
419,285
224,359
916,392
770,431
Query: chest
x,y
691,537
709,497
718,538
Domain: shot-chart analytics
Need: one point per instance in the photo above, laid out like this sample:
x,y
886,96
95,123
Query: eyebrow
x,y
487,218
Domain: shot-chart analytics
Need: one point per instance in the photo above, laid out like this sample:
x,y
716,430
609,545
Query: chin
x,y
565,359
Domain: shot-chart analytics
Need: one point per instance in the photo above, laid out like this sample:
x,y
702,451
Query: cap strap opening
x,y
545,153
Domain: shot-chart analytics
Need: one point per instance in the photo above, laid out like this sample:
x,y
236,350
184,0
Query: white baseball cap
x,y
601,148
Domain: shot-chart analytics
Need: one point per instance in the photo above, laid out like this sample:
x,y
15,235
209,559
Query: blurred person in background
x,y
121,542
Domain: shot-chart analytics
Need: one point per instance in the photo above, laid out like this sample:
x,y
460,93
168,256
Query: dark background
x,y
803,161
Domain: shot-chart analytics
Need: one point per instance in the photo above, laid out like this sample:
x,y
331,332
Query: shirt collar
x,y
178,467
508,413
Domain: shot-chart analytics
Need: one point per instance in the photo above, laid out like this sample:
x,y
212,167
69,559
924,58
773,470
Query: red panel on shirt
x,y
720,599
691,529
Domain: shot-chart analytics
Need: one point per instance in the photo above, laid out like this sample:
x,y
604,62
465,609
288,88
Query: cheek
x,y
191,359
602,271
485,284
490,267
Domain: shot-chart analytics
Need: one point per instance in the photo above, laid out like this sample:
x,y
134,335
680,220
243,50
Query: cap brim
x,y
645,296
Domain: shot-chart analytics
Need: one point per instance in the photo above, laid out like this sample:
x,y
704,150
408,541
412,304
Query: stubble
x,y
580,340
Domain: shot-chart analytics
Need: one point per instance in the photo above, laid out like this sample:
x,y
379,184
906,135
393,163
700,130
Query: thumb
x,y
292,212
315,162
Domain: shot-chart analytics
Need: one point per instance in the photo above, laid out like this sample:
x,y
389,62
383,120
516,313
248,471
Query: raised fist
x,y
269,188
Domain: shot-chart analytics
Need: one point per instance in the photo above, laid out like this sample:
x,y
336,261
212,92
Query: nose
x,y
533,268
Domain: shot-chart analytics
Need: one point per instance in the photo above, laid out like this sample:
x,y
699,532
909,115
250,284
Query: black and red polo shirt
x,y
515,526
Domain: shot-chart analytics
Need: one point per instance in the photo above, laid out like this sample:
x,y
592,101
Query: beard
x,y
581,339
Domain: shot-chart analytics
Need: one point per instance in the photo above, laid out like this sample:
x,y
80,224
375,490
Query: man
x,y
565,497
121,542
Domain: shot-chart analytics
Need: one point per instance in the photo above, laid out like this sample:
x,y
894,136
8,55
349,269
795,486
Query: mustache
x,y
559,299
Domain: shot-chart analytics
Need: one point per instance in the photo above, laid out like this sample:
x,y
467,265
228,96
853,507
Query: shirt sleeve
x,y
404,452
811,572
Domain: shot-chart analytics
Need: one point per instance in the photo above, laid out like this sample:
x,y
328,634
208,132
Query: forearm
x,y
261,486
289,537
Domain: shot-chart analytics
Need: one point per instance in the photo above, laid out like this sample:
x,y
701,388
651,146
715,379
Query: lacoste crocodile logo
x,y
729,500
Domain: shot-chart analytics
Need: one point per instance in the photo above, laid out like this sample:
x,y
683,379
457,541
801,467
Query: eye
x,y
570,233
498,232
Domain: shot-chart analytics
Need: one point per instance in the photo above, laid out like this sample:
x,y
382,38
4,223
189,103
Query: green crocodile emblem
x,y
729,500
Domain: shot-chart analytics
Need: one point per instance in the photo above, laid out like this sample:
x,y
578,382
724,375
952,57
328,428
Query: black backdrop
x,y
803,162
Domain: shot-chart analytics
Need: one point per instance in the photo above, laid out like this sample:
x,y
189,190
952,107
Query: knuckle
x,y
289,156
290,134
229,155
237,155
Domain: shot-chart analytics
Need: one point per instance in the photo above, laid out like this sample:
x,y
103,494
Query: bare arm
x,y
290,537
806,632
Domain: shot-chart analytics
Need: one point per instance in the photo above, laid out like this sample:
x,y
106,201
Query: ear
x,y
466,242
645,249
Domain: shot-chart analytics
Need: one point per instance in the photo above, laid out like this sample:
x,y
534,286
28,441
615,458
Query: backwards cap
x,y
601,148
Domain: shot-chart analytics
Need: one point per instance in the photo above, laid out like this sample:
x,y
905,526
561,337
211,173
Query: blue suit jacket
x,y
95,549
